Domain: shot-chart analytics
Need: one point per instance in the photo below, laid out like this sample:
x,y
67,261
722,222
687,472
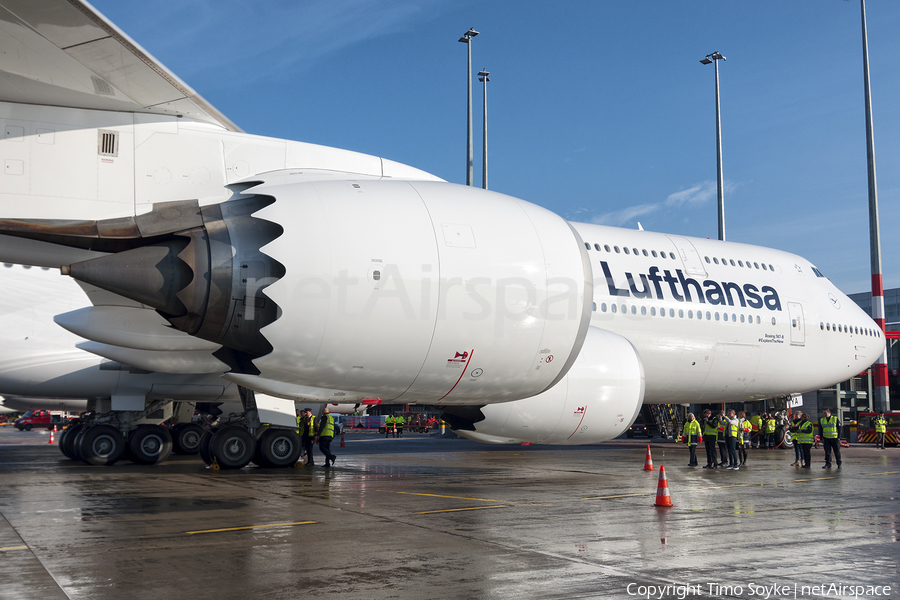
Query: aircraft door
x,y
693,264
798,327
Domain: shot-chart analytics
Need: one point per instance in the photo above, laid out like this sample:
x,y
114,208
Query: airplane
x,y
285,267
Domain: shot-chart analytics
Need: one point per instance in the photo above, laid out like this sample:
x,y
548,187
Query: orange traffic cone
x,y
343,445
662,489
53,431
648,461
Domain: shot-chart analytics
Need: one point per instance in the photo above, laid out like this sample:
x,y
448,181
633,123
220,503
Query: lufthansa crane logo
x,y
834,301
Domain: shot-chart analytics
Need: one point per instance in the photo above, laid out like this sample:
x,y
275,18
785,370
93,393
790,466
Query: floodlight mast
x,y
483,78
467,40
714,58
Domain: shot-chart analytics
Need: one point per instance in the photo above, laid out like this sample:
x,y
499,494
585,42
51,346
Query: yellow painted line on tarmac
x,y
463,498
251,527
617,496
13,548
431,512
885,473
815,479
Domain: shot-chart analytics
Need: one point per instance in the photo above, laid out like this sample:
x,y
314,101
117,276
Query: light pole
x,y
882,391
483,78
714,58
467,40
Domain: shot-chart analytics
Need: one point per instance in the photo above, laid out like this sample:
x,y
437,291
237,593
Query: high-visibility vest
x,y
806,435
733,429
692,432
328,428
311,427
829,427
389,420
299,419
755,422
770,426
880,425
710,429
401,421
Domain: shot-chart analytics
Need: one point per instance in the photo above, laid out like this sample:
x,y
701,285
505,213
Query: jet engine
x,y
597,400
414,290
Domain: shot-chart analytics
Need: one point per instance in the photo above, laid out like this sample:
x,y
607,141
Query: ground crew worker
x,y
744,429
731,438
755,423
770,431
691,432
388,425
399,423
710,430
324,435
829,427
299,420
880,430
307,434
720,439
795,432
806,435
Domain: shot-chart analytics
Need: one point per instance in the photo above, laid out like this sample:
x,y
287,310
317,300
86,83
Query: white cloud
x,y
700,193
620,217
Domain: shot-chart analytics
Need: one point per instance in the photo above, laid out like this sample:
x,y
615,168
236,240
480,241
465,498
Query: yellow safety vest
x,y
328,429
806,435
880,425
770,426
829,426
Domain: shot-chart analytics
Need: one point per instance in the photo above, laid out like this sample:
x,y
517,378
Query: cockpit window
x,y
817,272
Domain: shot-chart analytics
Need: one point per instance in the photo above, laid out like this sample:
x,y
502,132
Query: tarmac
x,y
430,517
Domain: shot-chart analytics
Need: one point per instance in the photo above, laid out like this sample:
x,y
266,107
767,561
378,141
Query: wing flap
x,y
65,53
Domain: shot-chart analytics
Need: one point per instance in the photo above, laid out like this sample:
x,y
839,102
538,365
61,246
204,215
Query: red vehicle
x,y
865,429
41,419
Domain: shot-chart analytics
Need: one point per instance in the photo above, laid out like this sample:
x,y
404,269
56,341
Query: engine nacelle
x,y
414,291
597,400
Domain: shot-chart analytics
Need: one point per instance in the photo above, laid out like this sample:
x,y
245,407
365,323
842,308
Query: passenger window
x,y
706,258
612,307
626,250
764,266
635,250
653,252
603,307
717,316
595,307
616,248
644,252
633,309
731,260
606,247
586,245
756,265
672,255
597,247
652,311
742,318
740,263
643,310
708,316
757,319
715,260
690,314
771,268
680,314
671,312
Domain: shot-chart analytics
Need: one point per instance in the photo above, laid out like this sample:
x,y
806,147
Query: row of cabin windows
x,y
739,263
626,250
709,315
664,254
850,329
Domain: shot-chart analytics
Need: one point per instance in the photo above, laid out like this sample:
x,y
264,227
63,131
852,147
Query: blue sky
x,y
598,110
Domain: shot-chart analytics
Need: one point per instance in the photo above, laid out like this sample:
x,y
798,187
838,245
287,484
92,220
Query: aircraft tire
x,y
60,441
186,439
783,438
232,447
149,444
101,445
203,449
67,443
278,448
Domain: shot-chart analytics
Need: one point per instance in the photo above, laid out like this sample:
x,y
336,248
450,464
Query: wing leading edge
x,y
65,53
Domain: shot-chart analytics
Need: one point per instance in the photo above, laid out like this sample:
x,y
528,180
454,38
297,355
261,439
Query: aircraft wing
x,y
65,53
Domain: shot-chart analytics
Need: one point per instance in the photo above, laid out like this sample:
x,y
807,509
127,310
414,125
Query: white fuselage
x,y
748,323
